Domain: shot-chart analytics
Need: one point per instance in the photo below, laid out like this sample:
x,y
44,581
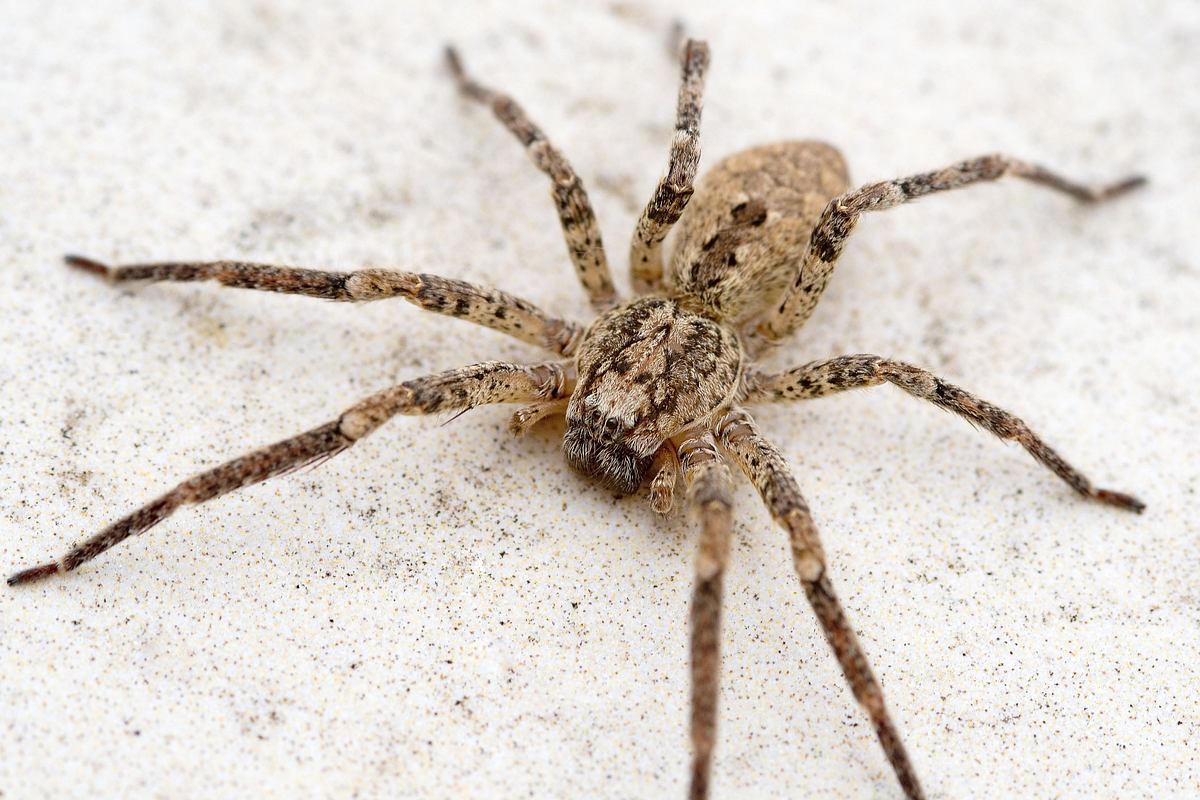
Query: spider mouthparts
x,y
86,264
33,573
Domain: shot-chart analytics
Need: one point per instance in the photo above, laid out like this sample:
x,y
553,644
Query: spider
x,y
655,389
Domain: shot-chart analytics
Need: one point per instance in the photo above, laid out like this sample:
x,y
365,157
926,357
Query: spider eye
x,y
611,429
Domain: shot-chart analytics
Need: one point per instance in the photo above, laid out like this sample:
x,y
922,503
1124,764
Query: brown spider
x,y
657,386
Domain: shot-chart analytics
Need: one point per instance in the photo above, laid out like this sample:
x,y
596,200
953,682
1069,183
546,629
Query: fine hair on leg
x,y
762,462
821,378
490,382
580,229
710,497
677,186
841,216
490,308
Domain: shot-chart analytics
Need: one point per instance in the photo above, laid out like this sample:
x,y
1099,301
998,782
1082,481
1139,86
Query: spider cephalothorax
x,y
647,370
656,387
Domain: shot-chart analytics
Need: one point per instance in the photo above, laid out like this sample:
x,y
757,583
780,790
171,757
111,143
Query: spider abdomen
x,y
752,213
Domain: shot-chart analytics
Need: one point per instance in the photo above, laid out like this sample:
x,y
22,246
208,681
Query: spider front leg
x,y
488,307
710,496
764,465
490,382
820,378
575,212
676,188
841,215
524,419
665,469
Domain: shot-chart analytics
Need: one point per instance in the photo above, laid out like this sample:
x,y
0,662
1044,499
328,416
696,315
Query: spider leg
x,y
764,465
710,497
524,418
820,378
665,469
841,215
488,307
575,212
489,382
676,188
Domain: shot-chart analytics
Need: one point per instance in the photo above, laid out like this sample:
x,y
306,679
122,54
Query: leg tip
x,y
466,84
34,573
1123,187
661,500
453,61
1120,500
695,55
676,34
518,425
86,264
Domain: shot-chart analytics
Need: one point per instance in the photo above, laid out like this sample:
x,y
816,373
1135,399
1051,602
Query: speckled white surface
x,y
445,612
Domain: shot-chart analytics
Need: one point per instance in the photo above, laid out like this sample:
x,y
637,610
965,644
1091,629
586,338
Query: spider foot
x,y
1117,189
662,496
34,573
1120,500
88,265
523,419
466,84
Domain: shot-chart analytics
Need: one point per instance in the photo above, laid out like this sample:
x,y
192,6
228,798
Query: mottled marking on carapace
x,y
646,371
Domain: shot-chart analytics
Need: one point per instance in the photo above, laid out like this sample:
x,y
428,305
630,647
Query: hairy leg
x,y
488,307
570,198
764,465
710,496
665,470
490,382
841,216
820,378
525,418
676,187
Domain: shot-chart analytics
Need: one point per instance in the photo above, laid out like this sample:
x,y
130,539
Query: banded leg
x,y
710,497
852,372
570,198
490,382
676,188
764,465
488,307
841,215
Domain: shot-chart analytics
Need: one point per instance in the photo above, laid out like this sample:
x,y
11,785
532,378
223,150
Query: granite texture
x,y
447,612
